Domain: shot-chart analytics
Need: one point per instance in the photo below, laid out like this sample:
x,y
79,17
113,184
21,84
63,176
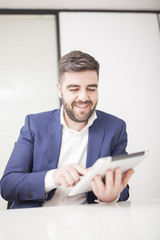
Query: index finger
x,y
81,171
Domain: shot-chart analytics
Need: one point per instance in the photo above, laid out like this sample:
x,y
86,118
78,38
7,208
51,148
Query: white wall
x,y
127,45
28,75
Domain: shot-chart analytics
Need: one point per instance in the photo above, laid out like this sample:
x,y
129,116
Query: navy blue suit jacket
x,y
37,151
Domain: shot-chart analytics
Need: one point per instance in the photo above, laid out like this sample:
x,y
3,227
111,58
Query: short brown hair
x,y
77,61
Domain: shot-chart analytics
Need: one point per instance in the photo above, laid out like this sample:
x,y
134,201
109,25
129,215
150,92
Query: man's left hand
x,y
110,189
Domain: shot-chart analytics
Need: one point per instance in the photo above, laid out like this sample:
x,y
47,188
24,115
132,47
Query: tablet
x,y
125,162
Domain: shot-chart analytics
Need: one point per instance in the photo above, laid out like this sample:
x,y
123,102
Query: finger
x,y
109,179
81,171
127,177
117,177
66,176
63,182
69,178
94,187
87,169
73,172
99,186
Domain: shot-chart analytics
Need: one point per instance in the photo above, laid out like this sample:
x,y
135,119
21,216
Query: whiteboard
x,y
28,74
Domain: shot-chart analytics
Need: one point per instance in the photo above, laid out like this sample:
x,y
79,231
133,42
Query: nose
x,y
83,96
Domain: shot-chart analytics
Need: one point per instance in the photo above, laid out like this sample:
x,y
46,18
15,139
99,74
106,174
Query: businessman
x,y
56,148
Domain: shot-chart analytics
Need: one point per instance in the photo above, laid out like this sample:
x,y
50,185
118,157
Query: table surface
x,y
136,220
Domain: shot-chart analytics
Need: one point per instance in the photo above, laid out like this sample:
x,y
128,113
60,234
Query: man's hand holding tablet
x,y
109,189
109,176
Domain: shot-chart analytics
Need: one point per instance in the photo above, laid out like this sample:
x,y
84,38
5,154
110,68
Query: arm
x,y
18,181
120,148
115,184
120,142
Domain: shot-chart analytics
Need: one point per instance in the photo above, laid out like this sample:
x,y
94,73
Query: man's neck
x,y
72,124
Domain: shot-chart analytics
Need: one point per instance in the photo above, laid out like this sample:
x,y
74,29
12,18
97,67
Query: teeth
x,y
81,106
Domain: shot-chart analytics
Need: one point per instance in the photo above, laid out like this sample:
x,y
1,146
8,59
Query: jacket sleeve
x,y
120,148
120,145
19,183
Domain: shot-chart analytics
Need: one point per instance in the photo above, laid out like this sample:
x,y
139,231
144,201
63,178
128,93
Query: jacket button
x,y
30,195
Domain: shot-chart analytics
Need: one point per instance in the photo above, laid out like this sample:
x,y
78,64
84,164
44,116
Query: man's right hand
x,y
68,175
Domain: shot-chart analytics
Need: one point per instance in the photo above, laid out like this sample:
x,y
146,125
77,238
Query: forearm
x,y
23,186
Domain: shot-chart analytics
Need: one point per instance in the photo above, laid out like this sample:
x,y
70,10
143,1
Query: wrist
x,y
110,201
49,183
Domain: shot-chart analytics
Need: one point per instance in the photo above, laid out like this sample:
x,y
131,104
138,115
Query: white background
x,y
127,45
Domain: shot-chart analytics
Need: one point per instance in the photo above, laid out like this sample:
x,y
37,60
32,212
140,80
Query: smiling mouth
x,y
81,105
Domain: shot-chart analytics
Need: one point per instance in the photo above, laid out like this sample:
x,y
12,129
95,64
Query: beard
x,y
81,117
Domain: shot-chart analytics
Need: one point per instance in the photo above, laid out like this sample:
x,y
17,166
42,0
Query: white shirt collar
x,y
90,121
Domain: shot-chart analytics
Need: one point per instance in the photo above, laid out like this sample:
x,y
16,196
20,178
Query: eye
x,y
91,89
74,89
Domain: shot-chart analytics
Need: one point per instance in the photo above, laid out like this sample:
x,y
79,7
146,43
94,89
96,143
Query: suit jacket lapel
x,y
96,133
54,140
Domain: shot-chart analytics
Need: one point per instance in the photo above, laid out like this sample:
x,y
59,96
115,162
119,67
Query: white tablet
x,y
125,162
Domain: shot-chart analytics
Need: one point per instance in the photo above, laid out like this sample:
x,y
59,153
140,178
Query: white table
x,y
139,220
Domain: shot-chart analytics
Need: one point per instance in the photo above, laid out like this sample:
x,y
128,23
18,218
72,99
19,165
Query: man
x,y
56,148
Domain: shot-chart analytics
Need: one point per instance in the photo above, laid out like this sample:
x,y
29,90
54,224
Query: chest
x,y
73,148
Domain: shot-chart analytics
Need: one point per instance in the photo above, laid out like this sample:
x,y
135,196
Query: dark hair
x,y
77,61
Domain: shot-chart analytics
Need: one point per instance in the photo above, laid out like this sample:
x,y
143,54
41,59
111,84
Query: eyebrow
x,y
72,85
93,85
75,85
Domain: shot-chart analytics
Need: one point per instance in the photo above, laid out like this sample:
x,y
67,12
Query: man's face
x,y
79,94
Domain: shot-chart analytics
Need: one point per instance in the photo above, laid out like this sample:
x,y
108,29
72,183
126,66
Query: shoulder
x,y
109,122
39,122
42,119
44,115
106,117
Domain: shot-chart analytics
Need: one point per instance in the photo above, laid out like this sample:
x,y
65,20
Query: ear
x,y
59,89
